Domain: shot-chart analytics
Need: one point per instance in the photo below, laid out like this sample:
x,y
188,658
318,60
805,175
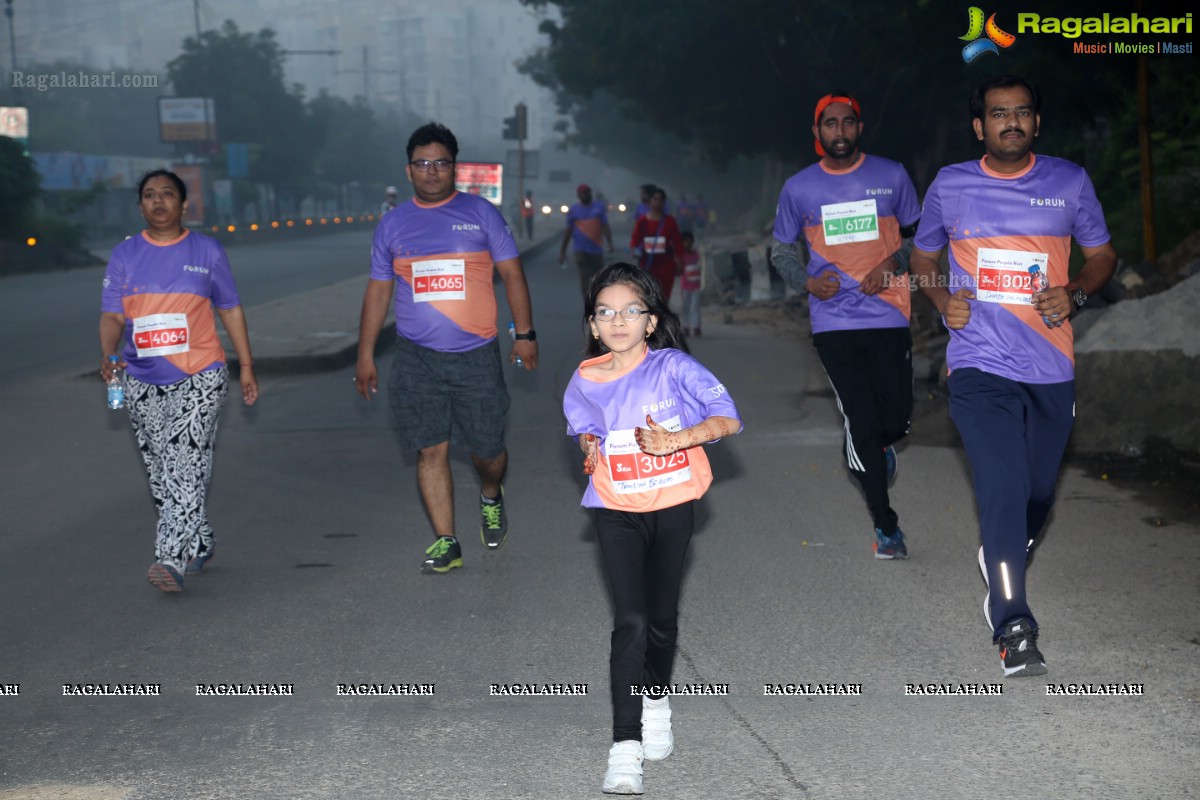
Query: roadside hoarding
x,y
193,177
483,179
14,123
187,119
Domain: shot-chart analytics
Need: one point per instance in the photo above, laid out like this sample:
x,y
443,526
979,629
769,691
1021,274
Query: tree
x,y
243,73
357,146
742,79
18,189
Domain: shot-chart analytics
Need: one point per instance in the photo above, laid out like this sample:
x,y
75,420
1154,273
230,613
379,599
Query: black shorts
x,y
456,397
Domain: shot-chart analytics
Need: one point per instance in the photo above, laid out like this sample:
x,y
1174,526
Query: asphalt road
x,y
316,582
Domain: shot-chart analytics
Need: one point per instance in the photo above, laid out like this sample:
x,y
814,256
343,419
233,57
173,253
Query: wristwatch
x,y
529,336
1079,298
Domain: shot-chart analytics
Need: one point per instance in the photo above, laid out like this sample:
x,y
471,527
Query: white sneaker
x,y
657,739
624,774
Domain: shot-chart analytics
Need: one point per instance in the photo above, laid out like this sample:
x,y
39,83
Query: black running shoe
x,y
443,555
1019,656
493,522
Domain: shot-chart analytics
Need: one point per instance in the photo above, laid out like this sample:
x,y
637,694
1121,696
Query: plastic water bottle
x,y
116,389
512,334
1038,283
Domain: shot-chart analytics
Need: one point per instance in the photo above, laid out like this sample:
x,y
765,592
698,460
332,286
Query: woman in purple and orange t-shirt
x,y
640,408
156,323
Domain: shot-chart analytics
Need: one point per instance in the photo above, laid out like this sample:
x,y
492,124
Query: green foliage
x,y
356,145
243,73
740,79
18,189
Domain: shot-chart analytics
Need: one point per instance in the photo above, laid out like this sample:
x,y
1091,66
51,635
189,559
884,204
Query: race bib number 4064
x,y
634,471
1002,276
160,335
845,223
439,279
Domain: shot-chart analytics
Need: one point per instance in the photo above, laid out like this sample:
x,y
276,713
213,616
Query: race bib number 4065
x,y
634,471
160,335
439,279
1003,275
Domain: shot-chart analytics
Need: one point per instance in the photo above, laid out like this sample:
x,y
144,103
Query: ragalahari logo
x,y
976,28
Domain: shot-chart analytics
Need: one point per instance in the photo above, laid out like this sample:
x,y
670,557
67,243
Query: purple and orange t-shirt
x,y
851,221
677,391
165,291
587,224
998,226
442,258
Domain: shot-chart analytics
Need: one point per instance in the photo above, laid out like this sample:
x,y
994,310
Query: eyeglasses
x,y
628,314
424,165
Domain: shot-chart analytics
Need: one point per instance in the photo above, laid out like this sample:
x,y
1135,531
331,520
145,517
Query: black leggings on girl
x,y
643,556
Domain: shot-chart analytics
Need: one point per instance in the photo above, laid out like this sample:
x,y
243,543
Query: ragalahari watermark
x,y
44,81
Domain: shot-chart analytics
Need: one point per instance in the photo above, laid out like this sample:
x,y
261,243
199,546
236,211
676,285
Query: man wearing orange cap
x,y
857,214
587,222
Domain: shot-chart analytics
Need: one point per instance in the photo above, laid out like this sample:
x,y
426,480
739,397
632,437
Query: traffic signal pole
x,y
521,122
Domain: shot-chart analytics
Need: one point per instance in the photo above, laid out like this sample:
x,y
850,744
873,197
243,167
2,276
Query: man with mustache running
x,y
857,214
1011,353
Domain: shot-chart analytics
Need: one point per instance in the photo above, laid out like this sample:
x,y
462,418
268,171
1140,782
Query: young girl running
x,y
640,408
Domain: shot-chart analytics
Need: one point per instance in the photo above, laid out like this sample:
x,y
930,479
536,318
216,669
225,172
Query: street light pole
x,y
12,34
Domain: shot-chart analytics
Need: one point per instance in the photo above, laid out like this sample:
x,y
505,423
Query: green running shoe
x,y
443,555
494,527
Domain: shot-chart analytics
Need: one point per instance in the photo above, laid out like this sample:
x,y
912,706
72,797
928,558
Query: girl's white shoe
x,y
657,739
624,774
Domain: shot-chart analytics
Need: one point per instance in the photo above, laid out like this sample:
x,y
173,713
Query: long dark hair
x,y
667,333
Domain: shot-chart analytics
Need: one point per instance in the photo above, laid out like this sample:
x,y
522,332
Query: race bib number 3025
x,y
439,279
634,471
160,335
1003,275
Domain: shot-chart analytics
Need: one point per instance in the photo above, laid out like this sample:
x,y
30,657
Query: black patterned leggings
x,y
176,427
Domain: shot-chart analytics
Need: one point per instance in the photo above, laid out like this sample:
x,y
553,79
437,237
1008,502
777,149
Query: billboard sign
x,y
483,179
187,119
14,123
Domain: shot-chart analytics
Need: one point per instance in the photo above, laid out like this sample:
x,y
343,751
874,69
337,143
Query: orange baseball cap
x,y
824,103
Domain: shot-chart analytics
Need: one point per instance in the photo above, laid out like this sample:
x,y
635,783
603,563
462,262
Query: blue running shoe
x,y
196,565
165,577
893,465
890,547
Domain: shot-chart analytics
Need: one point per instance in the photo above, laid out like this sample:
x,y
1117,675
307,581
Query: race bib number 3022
x,y
1003,275
160,335
439,279
634,471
